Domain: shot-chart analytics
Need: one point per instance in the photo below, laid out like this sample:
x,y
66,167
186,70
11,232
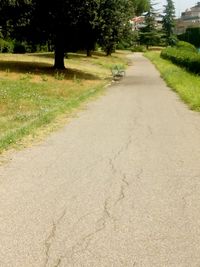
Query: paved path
x,y
118,186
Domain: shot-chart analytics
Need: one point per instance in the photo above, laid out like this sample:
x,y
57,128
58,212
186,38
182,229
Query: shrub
x,y
6,46
138,48
19,48
186,46
183,57
122,46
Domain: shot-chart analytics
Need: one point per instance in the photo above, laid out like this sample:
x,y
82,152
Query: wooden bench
x,y
117,72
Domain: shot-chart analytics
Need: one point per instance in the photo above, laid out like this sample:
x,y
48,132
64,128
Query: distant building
x,y
189,19
138,23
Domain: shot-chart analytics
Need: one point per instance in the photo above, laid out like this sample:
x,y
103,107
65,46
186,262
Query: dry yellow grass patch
x,y
33,95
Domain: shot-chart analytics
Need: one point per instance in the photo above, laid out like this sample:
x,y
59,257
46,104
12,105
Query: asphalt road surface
x,y
118,186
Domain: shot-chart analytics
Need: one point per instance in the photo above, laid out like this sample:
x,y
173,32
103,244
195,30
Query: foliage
x,y
128,38
13,15
186,46
19,48
138,48
113,19
66,25
192,35
6,46
140,6
184,57
150,35
169,23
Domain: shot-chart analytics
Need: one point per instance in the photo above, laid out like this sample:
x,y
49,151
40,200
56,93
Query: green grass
x,y
187,85
33,95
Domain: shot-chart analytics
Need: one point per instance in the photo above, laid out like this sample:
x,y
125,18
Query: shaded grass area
x,y
27,67
186,84
33,94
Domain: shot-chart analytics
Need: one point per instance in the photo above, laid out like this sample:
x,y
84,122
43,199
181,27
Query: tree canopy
x,y
168,22
150,35
68,25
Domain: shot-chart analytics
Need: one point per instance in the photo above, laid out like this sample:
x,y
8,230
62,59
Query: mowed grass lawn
x,y
186,84
33,94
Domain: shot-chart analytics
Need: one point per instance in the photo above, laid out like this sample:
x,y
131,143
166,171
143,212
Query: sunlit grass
x,y
186,84
33,94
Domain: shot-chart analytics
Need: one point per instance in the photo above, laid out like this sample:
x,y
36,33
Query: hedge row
x,y
186,46
186,58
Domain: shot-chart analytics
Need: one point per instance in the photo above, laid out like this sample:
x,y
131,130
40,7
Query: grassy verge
x,y
187,85
33,95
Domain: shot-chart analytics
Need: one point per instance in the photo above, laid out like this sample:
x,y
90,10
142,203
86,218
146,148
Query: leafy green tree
x,y
150,35
57,21
67,25
87,26
140,6
127,39
168,22
12,14
113,16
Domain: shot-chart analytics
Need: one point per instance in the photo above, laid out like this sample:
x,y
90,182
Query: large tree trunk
x,y
89,53
59,54
108,52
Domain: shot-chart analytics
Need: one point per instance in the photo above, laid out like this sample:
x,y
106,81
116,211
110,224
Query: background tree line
x,y
68,25
159,27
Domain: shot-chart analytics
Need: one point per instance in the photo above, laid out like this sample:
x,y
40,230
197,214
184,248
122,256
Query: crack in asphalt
x,y
121,195
122,189
112,167
123,148
48,243
139,174
124,182
58,263
51,237
83,244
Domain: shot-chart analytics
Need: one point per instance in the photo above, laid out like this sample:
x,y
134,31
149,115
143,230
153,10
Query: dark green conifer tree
x,y
150,34
168,22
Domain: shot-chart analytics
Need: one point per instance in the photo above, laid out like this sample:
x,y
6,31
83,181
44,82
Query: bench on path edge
x,y
118,72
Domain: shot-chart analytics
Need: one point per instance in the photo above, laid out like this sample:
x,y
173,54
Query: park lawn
x,y
186,84
33,96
